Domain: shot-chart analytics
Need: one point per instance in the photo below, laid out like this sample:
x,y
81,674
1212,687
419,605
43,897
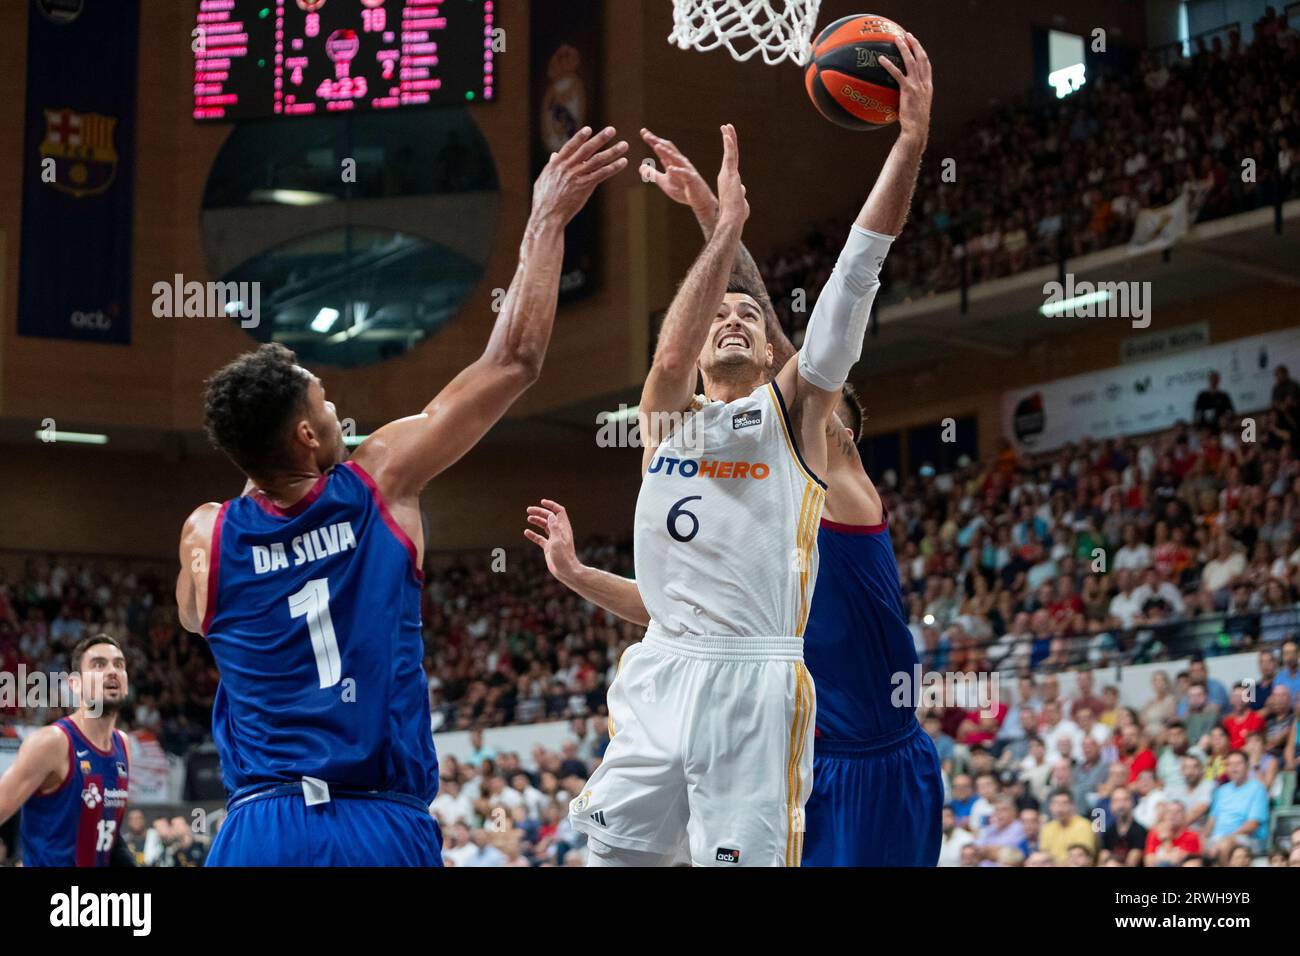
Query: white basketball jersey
x,y
726,524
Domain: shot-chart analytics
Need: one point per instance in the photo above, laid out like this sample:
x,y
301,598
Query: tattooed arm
x,y
851,496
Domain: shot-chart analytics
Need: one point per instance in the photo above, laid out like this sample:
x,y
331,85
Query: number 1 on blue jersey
x,y
313,603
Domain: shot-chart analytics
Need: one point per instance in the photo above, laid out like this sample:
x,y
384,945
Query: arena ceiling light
x,y
290,197
1067,306
71,438
324,320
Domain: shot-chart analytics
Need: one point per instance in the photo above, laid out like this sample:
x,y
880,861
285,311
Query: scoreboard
x,y
263,58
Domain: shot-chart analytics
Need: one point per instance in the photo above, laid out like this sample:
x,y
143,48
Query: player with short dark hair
x,y
307,587
70,778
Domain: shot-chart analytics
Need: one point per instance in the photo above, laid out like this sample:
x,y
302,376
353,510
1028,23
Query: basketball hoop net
x,y
778,29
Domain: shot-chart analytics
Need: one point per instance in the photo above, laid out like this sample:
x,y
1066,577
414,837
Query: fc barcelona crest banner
x,y
75,257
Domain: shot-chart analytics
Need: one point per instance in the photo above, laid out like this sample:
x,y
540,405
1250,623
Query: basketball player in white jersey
x,y
712,714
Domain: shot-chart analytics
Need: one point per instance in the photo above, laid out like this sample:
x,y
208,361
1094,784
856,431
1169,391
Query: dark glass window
x,y
364,233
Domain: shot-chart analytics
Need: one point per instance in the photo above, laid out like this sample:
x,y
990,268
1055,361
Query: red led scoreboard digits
x,y
259,58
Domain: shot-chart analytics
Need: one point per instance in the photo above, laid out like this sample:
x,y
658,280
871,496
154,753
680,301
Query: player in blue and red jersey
x,y
307,587
877,797
70,778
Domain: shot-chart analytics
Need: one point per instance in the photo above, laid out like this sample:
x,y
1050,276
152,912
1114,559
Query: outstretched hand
x,y
573,174
732,205
915,86
557,543
679,179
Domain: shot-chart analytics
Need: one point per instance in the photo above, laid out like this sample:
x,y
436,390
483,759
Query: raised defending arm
x,y
404,455
682,183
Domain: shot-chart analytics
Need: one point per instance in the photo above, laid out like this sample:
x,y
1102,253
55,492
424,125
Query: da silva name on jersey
x,y
310,546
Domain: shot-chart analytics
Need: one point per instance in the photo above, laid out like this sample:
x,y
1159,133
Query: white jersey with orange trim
x,y
726,524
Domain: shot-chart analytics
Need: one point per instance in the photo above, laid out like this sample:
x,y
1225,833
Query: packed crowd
x,y
1122,551
1118,552
1050,178
1036,778
1039,778
47,605
1192,778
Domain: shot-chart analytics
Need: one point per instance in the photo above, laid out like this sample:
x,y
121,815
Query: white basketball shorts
x,y
711,746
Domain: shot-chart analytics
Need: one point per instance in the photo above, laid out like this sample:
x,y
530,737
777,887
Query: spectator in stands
x,y
1135,555
1134,753
1217,749
1241,720
1213,405
572,766
1192,789
955,839
1089,774
1032,822
1149,794
1224,568
1263,688
1004,829
451,806
1080,854
1065,829
1286,391
1199,715
1288,674
1155,587
1053,727
963,798
184,848
1084,698
1264,766
1159,710
1239,813
134,834
1214,689
1123,838
1278,718
1170,842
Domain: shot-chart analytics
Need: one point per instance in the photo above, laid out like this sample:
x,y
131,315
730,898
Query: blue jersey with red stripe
x,y
857,637
77,824
313,617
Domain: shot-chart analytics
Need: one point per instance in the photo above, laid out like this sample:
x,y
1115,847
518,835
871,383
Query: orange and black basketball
x,y
844,77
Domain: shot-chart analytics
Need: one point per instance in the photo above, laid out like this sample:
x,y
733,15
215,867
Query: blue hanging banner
x,y
78,158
